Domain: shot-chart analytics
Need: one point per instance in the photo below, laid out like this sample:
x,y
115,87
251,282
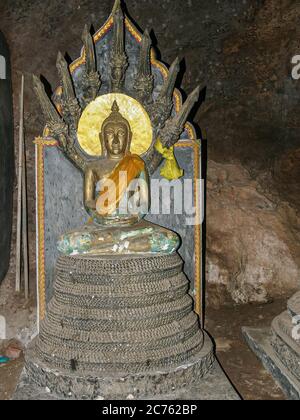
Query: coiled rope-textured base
x,y
119,326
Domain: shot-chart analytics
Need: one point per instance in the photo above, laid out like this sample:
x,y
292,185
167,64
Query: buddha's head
x,y
115,134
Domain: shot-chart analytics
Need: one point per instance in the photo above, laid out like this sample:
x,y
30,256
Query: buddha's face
x,y
116,138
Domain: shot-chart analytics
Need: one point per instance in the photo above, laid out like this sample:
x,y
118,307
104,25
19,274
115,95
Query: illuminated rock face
x,y
252,248
119,326
6,157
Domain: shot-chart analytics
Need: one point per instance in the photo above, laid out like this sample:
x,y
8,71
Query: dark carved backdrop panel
x,y
59,183
56,198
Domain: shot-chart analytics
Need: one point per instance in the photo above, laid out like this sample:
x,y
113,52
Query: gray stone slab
x,y
259,341
215,387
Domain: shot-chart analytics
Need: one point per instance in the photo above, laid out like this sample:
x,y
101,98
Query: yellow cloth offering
x,y
171,169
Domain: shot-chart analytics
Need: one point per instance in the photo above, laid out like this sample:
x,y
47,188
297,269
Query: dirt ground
x,y
243,368
9,375
245,371
20,318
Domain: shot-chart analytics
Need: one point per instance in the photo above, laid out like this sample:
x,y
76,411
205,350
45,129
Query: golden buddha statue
x,y
116,196
116,186
120,321
115,138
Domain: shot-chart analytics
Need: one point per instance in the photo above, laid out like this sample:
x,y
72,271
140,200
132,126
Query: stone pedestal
x,y
213,386
279,347
118,326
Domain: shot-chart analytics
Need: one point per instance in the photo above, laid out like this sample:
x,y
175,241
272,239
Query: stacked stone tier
x,y
118,315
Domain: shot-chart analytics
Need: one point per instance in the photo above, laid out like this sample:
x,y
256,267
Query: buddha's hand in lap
x,y
74,243
153,240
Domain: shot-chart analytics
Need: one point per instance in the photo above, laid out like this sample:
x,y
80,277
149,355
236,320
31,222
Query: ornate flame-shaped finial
x,y
119,60
117,6
118,44
173,128
115,107
144,63
161,110
69,103
48,109
64,75
144,79
91,79
183,114
90,62
169,85
56,125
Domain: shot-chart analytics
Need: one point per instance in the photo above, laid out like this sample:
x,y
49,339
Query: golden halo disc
x,y
97,111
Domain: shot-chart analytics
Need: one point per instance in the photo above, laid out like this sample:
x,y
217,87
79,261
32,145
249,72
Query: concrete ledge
x,y
259,341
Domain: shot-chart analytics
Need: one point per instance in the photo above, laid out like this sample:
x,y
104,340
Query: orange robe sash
x,y
130,168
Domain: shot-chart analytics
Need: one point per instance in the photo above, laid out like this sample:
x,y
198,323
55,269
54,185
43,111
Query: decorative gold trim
x,y
98,35
41,141
198,246
40,144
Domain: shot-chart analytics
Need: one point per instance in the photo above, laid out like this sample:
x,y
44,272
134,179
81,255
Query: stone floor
x,y
246,372
259,340
9,375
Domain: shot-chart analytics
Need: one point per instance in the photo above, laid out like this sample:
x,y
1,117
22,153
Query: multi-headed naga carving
x,y
70,107
63,114
91,80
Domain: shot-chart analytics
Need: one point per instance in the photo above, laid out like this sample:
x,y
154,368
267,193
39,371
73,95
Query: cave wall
x,y
6,158
241,51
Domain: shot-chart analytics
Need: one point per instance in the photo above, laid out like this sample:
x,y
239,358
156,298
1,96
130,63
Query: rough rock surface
x,y
253,241
242,52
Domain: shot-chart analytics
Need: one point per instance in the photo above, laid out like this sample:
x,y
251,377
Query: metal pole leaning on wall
x,y
24,212
19,210
22,234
